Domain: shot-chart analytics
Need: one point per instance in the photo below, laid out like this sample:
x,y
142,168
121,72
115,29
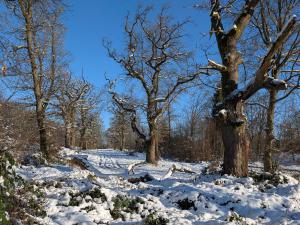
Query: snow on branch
x,y
216,20
243,19
260,78
217,66
276,84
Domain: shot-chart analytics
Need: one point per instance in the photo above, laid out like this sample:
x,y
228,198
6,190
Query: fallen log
x,y
131,167
146,178
82,160
173,169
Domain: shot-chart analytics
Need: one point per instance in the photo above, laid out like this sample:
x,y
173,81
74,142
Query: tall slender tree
x,y
38,42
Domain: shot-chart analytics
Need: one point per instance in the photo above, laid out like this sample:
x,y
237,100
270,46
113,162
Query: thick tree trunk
x,y
151,145
42,133
150,155
268,162
69,128
236,143
157,153
233,126
169,127
236,150
122,144
72,128
68,135
83,143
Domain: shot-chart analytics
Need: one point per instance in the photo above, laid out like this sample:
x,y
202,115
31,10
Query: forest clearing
x,y
149,112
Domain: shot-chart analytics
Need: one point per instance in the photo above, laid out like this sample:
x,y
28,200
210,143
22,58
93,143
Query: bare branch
x,y
217,66
260,74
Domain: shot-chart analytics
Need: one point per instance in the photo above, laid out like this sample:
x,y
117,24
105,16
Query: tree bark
x,y
169,126
157,153
268,162
69,118
233,122
122,146
230,109
40,111
236,145
150,155
42,132
83,143
151,145
72,128
68,135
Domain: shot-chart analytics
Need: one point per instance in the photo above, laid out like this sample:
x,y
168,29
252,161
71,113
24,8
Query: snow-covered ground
x,y
78,196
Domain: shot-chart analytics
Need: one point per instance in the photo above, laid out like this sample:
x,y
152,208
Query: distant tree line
x,y
193,135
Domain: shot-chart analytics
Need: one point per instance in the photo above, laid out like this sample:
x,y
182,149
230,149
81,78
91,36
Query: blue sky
x,y
89,21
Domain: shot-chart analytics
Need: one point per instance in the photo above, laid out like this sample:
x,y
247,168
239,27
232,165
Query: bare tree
x,y
229,109
289,132
37,41
120,130
256,111
156,59
269,21
87,117
69,98
95,135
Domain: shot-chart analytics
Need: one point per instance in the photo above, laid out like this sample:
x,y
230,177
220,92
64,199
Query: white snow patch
x,y
1,181
182,198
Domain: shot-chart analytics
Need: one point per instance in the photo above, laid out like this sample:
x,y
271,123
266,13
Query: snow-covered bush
x,y
124,204
153,219
7,185
19,200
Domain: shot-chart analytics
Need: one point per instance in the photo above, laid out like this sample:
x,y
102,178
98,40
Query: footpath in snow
x,y
105,193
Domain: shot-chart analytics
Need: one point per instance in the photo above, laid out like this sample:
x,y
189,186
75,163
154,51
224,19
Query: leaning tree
x,y
228,110
156,60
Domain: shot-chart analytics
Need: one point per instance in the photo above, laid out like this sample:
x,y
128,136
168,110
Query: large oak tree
x,y
156,59
229,108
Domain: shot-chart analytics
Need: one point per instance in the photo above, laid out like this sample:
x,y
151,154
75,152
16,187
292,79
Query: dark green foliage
x,y
74,202
7,185
234,217
186,204
153,219
93,193
124,204
96,193
268,178
18,198
35,208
